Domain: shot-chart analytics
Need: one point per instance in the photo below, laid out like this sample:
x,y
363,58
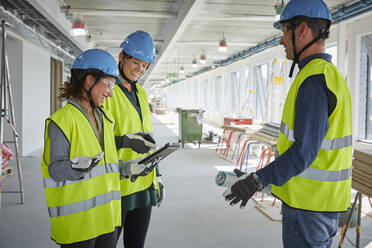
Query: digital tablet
x,y
160,153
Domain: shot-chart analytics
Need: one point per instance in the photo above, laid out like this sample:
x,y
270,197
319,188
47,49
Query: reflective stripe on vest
x,y
84,205
327,144
97,171
326,176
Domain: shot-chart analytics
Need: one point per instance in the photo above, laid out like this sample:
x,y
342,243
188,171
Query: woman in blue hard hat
x,y
80,165
131,111
312,174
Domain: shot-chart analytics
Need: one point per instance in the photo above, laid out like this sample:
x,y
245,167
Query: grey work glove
x,y
160,193
139,142
246,186
84,163
133,170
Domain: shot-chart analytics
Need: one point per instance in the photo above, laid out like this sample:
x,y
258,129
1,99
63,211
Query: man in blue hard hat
x,y
312,174
133,135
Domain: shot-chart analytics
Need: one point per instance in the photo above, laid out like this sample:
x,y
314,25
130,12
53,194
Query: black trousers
x,y
135,224
108,240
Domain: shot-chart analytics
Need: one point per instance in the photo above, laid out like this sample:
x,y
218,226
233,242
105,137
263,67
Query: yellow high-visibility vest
x,y
87,208
326,184
128,121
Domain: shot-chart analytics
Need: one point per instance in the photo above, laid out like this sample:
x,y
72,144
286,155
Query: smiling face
x,y
132,67
102,90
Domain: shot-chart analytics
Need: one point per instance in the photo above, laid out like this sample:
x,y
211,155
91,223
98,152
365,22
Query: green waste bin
x,y
189,128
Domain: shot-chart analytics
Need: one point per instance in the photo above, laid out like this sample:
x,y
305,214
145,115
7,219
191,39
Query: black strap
x,y
131,82
323,34
104,114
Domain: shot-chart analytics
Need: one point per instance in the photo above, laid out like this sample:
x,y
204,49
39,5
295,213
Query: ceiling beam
x,y
215,42
123,13
186,12
118,40
256,18
102,41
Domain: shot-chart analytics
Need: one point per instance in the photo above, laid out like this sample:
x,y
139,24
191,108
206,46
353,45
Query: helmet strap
x,y
89,94
124,76
324,33
104,114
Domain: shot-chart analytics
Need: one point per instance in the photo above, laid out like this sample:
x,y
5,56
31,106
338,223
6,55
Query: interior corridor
x,y
194,213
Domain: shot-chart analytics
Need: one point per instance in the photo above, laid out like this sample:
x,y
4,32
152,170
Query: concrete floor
x,y
194,213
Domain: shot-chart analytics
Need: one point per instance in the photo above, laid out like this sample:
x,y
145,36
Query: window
x,y
234,93
217,96
259,96
332,50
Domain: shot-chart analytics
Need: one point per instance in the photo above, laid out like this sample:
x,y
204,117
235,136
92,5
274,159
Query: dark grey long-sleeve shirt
x,y
60,165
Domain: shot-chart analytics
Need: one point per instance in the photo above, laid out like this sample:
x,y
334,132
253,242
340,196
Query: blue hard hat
x,y
308,8
97,59
140,45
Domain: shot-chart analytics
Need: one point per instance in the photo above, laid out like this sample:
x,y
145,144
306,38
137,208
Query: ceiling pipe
x,y
350,11
15,21
340,14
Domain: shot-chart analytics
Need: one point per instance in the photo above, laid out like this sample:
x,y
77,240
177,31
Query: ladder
x,y
6,108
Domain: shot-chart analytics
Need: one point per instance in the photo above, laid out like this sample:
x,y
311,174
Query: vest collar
x,y
306,60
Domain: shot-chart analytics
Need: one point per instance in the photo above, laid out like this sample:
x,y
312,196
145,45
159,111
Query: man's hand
x,y
139,142
246,186
84,163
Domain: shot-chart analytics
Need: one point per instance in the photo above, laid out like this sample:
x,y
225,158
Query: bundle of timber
x,y
362,172
271,129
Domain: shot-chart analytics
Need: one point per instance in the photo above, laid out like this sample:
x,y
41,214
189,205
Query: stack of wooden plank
x,y
362,172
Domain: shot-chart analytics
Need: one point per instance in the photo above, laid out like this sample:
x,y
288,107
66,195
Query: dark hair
x,y
317,25
75,87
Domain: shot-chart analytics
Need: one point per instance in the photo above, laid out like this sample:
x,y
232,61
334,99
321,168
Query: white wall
x,y
36,96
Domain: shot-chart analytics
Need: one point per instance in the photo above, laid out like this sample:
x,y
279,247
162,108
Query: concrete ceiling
x,y
182,30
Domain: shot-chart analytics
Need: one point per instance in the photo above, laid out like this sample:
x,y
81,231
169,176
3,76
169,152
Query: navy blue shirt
x,y
314,104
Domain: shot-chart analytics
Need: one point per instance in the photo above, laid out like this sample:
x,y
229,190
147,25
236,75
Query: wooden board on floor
x,y
266,207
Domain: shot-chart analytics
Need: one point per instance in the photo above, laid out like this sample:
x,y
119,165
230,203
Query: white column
x,y
341,48
353,74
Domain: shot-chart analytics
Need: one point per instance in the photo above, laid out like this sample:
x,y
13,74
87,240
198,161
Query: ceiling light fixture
x,y
279,6
78,28
182,70
203,59
222,44
194,63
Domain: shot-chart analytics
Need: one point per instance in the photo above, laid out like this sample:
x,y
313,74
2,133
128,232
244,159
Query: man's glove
x,y
84,163
160,194
246,186
133,170
139,142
